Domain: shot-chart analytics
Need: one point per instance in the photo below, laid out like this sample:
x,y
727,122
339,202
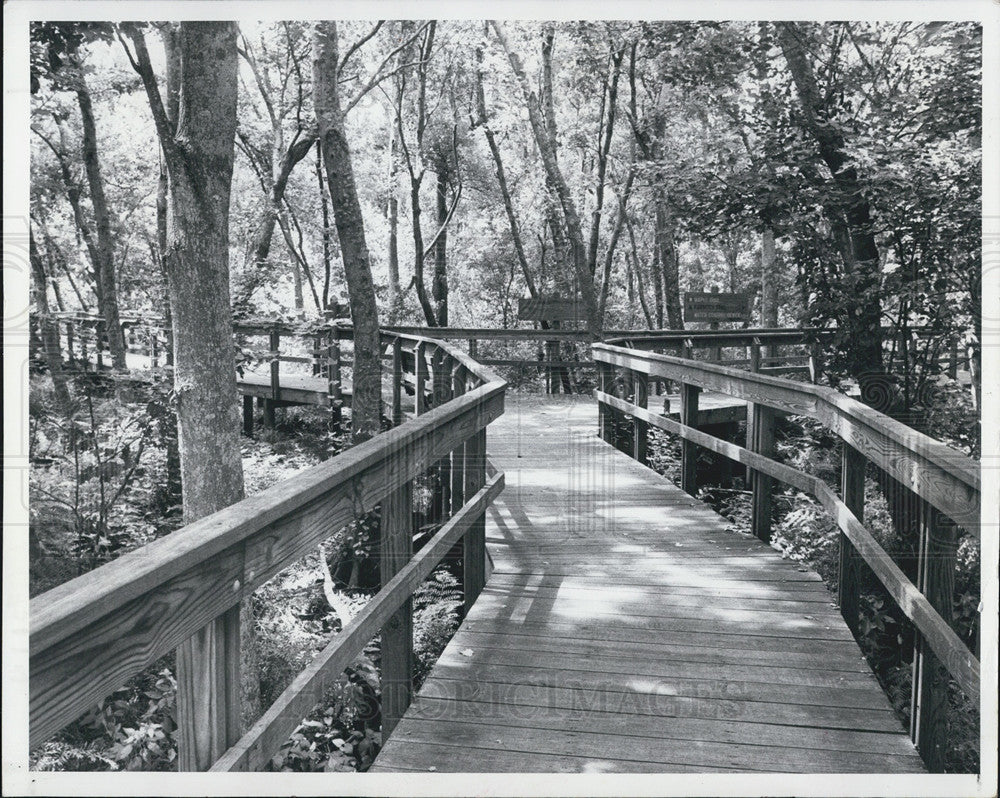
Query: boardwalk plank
x,y
626,628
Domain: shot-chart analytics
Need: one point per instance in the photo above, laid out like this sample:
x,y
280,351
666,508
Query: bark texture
x,y
48,330
104,251
547,149
367,397
213,684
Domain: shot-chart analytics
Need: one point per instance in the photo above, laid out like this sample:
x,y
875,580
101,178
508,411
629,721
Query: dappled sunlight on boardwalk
x,y
625,628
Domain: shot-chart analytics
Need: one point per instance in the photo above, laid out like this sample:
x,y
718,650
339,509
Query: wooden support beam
x,y
458,455
852,491
397,381
395,551
689,450
248,416
420,379
474,549
334,385
266,736
605,416
762,484
640,429
208,692
274,341
929,708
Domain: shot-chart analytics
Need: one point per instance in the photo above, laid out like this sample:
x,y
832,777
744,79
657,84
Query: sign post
x,y
716,307
553,310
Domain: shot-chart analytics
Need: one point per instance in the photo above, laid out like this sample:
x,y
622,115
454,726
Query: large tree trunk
x,y
547,150
366,404
49,331
201,168
199,157
666,256
105,249
861,315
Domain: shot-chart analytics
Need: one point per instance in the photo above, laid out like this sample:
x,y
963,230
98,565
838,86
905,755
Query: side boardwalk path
x,y
624,629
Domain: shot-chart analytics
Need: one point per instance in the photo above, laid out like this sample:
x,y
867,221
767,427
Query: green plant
x,y
435,618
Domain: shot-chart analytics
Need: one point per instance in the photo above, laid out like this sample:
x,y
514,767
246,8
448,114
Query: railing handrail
x,y
941,475
944,482
98,629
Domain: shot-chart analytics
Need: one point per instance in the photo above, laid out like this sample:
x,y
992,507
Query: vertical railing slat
x,y
640,429
474,549
852,491
208,692
395,550
762,484
689,450
936,580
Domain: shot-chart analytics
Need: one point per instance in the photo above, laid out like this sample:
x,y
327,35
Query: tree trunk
x,y
439,288
366,410
296,151
105,250
49,331
547,150
666,256
861,315
392,214
325,208
212,681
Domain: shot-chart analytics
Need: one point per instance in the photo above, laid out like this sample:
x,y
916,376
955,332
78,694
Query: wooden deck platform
x,y
624,629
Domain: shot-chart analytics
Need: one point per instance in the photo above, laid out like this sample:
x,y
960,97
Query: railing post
x,y
397,381
605,419
936,580
317,354
208,692
640,429
458,454
815,363
473,348
852,491
763,428
420,379
754,354
154,347
474,548
395,551
248,416
274,344
334,387
689,450
441,364
551,377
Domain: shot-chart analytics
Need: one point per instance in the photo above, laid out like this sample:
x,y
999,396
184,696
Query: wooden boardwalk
x,y
624,629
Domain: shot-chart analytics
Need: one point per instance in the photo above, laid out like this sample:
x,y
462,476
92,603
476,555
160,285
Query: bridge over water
x,y
613,622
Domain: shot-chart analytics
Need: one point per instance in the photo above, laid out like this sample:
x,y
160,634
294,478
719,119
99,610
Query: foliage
x,y
436,605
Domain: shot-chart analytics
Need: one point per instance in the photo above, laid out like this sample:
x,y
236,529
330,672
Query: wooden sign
x,y
551,309
703,306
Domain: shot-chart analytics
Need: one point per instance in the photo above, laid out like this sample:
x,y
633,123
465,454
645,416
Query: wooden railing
x,y
779,351
943,483
89,635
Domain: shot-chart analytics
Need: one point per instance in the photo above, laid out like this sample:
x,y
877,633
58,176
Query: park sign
x,y
704,306
550,309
